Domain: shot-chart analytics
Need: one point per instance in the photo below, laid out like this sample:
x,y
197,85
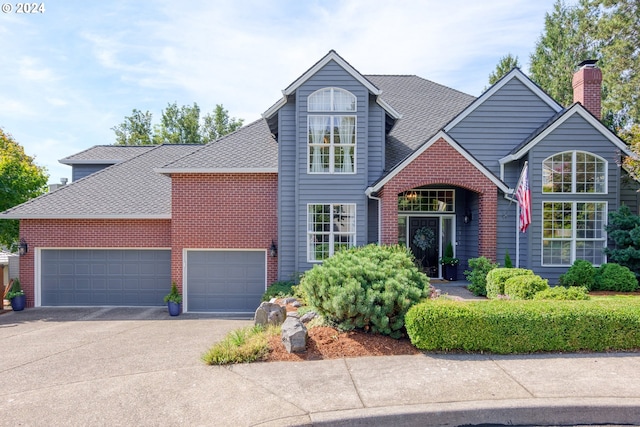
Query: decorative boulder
x,y
308,316
270,314
294,335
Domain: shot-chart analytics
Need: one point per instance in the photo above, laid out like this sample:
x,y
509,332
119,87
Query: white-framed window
x,y
573,230
330,228
574,172
332,99
332,144
331,137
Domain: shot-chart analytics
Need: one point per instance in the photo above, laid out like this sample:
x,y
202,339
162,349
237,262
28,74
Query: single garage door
x,y
225,281
85,277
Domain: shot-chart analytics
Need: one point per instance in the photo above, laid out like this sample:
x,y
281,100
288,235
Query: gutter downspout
x,y
369,194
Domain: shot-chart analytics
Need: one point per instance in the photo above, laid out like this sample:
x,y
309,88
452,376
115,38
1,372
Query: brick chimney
x,y
587,87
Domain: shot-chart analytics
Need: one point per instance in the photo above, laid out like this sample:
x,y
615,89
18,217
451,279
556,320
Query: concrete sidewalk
x,y
119,366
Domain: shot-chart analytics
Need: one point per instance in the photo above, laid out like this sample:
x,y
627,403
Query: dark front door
x,y
428,257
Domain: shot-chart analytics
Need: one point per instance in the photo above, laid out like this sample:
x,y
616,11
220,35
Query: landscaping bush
x,y
280,289
581,273
615,277
497,277
525,326
477,275
369,287
563,293
507,260
524,287
623,228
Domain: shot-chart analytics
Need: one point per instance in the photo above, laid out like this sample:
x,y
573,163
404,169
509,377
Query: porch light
x,y
467,216
273,249
23,248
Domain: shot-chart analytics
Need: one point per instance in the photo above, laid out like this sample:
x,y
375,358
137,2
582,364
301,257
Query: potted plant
x,y
450,263
173,300
16,296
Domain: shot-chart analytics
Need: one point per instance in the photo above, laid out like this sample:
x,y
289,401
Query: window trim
x,y
331,233
332,146
574,173
333,89
573,239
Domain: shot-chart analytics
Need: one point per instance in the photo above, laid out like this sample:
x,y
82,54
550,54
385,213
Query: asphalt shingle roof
x,y
110,154
250,147
425,106
131,189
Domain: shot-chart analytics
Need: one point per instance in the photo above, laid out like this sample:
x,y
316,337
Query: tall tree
x,y
135,130
615,25
179,125
505,64
20,180
219,124
564,43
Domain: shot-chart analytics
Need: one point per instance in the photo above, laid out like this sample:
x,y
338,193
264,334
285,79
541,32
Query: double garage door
x,y
221,281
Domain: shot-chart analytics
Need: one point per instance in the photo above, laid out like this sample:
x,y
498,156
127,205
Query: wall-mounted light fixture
x,y
273,249
467,216
23,248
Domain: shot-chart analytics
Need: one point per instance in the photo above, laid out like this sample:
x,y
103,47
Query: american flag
x,y
523,194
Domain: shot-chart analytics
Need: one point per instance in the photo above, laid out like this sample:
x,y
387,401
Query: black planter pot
x,y
174,308
18,303
451,272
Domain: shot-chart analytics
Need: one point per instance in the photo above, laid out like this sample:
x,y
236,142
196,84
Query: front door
x,y
426,247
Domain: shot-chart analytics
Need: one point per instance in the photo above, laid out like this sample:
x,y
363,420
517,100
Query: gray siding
x,y
373,230
299,188
575,134
501,123
508,222
80,171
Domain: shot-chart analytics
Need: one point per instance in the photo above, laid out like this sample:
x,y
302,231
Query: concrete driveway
x,y
110,366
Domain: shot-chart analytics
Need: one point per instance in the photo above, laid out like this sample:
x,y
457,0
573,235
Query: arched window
x,y
574,172
332,136
332,99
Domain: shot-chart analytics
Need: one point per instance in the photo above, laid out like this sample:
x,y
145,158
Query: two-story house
x,y
343,159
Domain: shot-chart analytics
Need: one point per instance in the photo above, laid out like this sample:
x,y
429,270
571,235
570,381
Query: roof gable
x,y
557,121
513,74
453,143
331,56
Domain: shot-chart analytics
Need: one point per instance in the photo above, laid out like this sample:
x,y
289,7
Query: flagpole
x,y
524,167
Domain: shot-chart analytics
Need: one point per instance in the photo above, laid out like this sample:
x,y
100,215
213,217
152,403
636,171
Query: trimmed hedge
x,y
496,279
563,293
615,277
506,327
477,274
524,287
369,287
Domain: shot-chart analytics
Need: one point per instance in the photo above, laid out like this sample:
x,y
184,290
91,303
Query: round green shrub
x,y
279,289
563,293
477,274
369,287
524,287
581,273
615,277
496,279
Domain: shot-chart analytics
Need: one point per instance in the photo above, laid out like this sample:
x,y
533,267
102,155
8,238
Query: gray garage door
x,y
225,281
104,277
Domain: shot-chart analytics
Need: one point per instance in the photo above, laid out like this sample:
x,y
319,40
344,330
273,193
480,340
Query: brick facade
x,y
430,168
223,211
87,233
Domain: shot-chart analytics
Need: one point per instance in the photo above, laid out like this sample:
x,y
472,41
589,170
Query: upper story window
x,y
331,137
574,172
331,99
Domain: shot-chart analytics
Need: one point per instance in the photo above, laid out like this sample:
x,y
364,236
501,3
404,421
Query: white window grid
x,y
330,227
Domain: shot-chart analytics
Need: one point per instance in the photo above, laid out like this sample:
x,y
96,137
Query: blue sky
x,y
72,73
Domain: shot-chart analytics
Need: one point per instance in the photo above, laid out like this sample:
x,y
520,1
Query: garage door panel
x,y
104,276
226,281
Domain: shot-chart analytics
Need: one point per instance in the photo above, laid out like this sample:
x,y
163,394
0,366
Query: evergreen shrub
x,y
279,289
525,326
477,274
369,287
615,277
563,293
496,279
524,287
581,273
